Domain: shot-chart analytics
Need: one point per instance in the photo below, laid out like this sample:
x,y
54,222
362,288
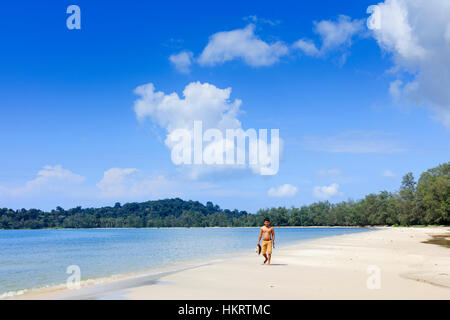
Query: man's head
x,y
267,222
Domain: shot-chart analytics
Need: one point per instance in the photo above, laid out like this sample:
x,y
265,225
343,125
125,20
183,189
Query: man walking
x,y
268,234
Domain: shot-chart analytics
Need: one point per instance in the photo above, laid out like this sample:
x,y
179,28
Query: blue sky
x,y
70,134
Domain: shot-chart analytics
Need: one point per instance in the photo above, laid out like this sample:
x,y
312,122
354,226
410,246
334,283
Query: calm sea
x,y
39,258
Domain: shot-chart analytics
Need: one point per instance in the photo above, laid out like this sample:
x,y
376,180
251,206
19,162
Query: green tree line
x,y
424,202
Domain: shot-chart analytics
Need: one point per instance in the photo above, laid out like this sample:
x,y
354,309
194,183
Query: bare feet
x,y
265,261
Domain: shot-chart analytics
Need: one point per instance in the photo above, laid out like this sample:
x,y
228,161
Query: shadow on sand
x,y
439,239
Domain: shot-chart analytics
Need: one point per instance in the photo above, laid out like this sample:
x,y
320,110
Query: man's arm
x,y
260,235
273,236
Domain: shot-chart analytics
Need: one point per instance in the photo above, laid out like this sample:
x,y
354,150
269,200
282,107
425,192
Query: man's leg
x,y
264,251
270,256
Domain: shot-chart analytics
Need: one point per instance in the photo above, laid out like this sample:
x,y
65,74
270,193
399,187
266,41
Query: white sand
x,y
329,268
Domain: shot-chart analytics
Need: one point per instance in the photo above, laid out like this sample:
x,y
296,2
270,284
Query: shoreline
x,y
93,286
309,269
278,227
123,280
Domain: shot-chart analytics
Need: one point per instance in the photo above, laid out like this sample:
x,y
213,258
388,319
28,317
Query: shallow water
x,y
40,258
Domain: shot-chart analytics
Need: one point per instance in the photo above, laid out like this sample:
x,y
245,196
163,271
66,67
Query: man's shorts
x,y
267,247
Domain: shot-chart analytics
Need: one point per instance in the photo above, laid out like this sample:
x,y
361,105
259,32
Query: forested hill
x,y
159,213
426,201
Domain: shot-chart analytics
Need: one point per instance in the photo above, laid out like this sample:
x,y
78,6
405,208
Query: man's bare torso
x,y
267,233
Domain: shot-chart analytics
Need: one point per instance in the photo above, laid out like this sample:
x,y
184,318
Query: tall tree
x,y
433,193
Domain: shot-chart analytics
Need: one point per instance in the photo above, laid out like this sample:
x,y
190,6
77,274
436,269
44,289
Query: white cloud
x,y
329,172
334,35
200,102
388,174
52,185
241,44
416,34
258,20
130,183
307,46
337,33
326,192
285,190
357,142
55,186
50,178
113,181
182,61
395,89
244,44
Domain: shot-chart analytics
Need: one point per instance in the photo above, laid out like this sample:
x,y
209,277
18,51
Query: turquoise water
x,y
39,258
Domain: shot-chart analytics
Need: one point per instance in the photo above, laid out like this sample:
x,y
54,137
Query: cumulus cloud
x,y
246,45
416,35
395,89
357,142
241,44
326,192
337,33
130,183
113,182
285,190
200,102
182,61
55,185
50,178
334,35
52,184
307,46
